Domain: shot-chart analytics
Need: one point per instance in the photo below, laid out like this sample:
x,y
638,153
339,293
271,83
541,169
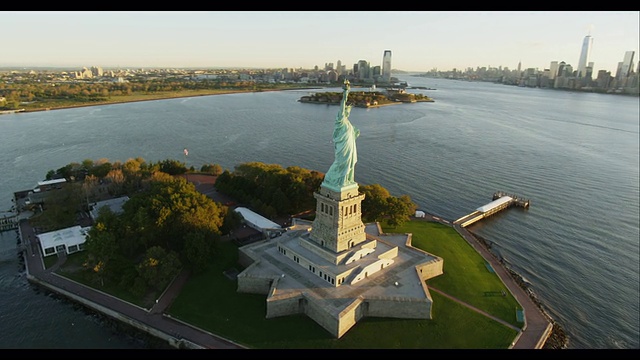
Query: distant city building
x,y
96,71
363,70
386,66
376,71
553,70
587,43
564,79
627,64
619,70
558,75
568,70
561,66
604,79
590,70
343,70
83,74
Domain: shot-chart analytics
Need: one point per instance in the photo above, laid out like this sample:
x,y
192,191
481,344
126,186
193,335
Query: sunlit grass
x,y
466,273
211,301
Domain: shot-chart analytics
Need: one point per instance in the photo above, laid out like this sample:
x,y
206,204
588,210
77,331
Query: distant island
x,y
367,99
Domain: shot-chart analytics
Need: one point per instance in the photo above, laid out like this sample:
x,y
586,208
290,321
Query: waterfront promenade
x,y
538,326
152,321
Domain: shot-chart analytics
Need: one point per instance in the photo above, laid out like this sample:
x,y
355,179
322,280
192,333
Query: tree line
x,y
167,225
17,93
274,191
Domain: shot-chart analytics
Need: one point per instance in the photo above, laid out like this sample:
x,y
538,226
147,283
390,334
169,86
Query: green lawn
x,y
50,260
73,270
211,302
466,273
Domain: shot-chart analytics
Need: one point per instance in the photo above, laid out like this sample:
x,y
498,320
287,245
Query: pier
x,y
501,201
517,201
8,222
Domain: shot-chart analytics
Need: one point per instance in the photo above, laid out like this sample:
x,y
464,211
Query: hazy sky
x,y
419,41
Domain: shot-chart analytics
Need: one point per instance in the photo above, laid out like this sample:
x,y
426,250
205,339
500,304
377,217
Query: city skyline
x,y
419,41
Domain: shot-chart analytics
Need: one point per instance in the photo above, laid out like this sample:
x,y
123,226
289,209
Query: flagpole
x,y
186,174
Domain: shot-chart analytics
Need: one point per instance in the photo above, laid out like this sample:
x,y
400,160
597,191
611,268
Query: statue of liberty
x,y
341,172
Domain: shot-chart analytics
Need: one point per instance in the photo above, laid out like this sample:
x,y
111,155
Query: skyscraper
x,y
553,70
386,66
363,70
584,55
627,64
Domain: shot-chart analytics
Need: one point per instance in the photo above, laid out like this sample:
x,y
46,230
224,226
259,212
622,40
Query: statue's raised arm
x,y
342,171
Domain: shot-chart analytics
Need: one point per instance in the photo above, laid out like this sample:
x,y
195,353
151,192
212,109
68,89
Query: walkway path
x,y
538,326
475,309
153,321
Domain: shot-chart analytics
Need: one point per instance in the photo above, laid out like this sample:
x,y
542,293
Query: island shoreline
x,y
556,340
143,100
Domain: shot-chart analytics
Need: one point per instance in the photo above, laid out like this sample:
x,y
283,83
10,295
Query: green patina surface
x,y
342,171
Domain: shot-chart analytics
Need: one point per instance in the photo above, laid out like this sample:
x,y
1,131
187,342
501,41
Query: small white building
x,y
38,194
49,184
420,214
115,205
258,222
495,205
67,240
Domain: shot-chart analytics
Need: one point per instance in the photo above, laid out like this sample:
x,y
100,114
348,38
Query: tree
x,y
116,179
213,169
67,170
374,205
87,164
379,205
169,209
172,167
132,174
198,251
60,207
89,188
100,168
232,220
399,210
158,267
101,247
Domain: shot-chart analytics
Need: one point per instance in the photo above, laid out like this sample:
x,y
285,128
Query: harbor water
x,y
573,155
